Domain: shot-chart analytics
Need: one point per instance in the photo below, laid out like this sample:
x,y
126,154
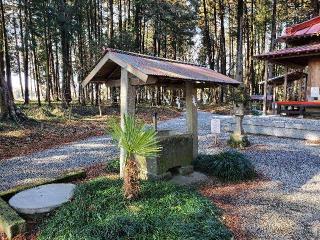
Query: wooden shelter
x,y
303,51
127,70
296,84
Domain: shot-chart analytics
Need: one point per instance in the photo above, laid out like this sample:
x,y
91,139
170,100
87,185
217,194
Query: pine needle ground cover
x,y
49,127
164,211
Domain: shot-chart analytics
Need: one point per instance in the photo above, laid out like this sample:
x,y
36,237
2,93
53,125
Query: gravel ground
x,y
286,206
52,163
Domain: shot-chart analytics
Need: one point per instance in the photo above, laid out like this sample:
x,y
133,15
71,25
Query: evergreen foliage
x,y
229,166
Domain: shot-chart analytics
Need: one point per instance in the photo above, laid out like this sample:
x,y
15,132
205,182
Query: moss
x,y
10,222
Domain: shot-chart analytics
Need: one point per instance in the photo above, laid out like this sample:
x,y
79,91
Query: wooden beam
x,y
134,82
265,92
128,67
95,70
192,115
127,107
285,84
274,95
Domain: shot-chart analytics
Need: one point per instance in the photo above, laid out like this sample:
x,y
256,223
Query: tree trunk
x,y
207,36
131,178
137,27
273,35
239,70
25,47
111,30
7,107
18,55
315,7
65,52
7,55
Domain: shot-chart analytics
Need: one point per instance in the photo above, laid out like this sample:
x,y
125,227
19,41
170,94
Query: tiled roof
x,y
294,51
162,67
304,29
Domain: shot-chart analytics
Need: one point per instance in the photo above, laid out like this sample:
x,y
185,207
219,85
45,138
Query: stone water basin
x,y
176,154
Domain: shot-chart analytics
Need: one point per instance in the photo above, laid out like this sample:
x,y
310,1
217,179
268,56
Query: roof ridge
x,y
283,49
152,57
299,26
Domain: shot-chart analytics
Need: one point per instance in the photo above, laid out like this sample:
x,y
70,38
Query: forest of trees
x,y
51,45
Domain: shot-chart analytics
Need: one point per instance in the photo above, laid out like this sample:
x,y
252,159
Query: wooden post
x,y
313,77
285,84
274,95
127,107
305,88
265,93
192,116
300,82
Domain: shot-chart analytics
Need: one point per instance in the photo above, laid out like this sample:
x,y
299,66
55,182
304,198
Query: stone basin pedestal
x,y
176,155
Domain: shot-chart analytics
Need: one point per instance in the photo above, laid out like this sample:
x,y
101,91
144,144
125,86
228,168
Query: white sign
x,y
215,126
315,92
178,102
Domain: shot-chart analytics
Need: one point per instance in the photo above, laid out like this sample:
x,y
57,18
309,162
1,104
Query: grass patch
x,y
113,166
229,166
164,211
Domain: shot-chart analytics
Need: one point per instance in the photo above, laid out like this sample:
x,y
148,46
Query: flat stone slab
x,y
42,199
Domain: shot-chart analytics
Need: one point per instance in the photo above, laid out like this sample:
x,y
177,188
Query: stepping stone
x,y
42,199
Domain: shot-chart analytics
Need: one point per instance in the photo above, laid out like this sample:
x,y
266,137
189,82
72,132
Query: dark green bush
x,y
164,211
229,166
256,112
113,166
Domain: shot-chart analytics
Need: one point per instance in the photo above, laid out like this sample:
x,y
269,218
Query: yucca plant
x,y
136,140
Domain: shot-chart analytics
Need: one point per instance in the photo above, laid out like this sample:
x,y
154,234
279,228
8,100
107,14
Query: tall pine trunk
x,y
65,53
7,55
239,69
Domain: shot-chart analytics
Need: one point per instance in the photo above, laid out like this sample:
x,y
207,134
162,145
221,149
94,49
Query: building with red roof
x,y
302,52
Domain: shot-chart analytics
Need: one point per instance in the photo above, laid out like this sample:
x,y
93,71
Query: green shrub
x,y
113,166
256,112
111,121
238,142
229,166
164,211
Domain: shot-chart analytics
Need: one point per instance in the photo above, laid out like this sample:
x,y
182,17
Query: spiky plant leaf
x,y
135,138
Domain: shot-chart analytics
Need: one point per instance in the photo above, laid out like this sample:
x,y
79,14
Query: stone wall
x,y
275,126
